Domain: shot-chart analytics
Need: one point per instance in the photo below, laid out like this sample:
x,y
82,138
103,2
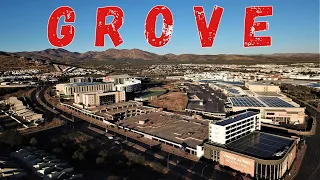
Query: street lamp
x,y
168,161
203,170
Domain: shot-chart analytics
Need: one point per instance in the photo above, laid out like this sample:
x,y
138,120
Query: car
x,y
110,137
117,142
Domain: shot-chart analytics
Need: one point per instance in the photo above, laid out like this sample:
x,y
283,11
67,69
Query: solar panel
x,y
246,102
233,91
236,118
260,144
275,102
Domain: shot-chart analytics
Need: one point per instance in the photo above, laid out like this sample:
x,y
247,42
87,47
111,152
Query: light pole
x,y
150,143
217,107
203,170
168,161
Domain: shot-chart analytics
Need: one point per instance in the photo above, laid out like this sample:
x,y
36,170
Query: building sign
x,y
106,78
236,162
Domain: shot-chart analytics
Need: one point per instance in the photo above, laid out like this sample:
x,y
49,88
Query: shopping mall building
x,y
236,142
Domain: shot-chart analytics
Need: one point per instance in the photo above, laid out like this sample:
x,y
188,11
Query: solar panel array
x,y
246,102
233,91
275,102
236,118
260,145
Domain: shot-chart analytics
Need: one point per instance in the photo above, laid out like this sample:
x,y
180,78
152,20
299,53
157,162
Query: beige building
x,y
81,79
68,90
260,87
17,107
273,109
253,155
99,98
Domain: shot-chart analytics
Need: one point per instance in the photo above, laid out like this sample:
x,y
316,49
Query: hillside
x,y
136,56
11,62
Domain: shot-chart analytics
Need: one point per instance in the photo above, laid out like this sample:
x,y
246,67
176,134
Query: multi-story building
x,y
81,79
234,127
99,98
124,82
129,86
272,109
68,90
235,143
260,87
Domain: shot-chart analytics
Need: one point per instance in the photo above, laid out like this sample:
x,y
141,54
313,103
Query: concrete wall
x,y
262,88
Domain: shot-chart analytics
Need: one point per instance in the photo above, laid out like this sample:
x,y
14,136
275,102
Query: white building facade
x,y
234,127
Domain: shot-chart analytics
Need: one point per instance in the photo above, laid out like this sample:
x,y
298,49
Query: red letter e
x,y
67,31
251,26
111,29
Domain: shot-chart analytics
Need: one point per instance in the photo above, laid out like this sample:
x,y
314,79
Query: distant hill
x,y
13,62
133,56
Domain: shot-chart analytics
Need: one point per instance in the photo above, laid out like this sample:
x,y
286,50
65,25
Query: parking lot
x,y
213,100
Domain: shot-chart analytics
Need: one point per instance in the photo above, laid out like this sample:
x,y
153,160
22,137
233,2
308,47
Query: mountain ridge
x,y
137,55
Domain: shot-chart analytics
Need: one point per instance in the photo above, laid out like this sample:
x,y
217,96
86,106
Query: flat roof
x,y
263,101
233,91
115,105
274,102
260,145
225,82
268,94
170,127
119,76
236,118
259,84
246,102
86,84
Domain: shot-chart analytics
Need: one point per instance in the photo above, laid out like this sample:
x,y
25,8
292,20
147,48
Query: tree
x,y
78,155
113,178
102,157
11,137
33,141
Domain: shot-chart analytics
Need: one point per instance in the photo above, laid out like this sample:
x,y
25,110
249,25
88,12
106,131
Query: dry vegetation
x,y
174,101
9,62
5,93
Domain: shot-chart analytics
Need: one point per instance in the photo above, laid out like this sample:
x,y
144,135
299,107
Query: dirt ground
x,y
174,101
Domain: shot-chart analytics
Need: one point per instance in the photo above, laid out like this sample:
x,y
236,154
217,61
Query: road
x,y
310,167
185,166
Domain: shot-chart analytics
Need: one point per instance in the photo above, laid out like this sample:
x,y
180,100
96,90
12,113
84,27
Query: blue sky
x,y
294,26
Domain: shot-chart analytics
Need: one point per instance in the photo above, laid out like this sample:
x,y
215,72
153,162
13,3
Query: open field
x,y
175,101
